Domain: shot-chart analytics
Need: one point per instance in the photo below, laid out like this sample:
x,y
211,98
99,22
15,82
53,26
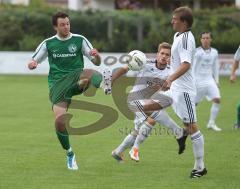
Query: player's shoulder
x,y
79,36
198,49
50,38
214,50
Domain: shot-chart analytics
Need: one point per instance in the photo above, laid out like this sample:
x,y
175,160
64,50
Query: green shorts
x,y
67,87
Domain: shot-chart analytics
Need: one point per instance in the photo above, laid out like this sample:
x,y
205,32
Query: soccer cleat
x,y
71,161
196,173
236,126
107,81
182,143
117,157
213,126
134,154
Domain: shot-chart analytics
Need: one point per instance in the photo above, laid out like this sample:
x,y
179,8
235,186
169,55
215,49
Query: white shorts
x,y
183,105
209,90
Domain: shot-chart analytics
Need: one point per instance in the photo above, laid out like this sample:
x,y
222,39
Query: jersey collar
x,y
179,33
64,39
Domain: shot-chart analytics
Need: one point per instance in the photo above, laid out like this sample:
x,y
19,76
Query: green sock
x,y
63,137
238,114
96,80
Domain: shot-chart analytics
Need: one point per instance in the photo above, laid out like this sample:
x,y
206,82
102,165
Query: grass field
x,y
31,157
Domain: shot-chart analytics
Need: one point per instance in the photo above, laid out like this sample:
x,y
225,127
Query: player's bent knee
x,y
216,100
60,123
191,127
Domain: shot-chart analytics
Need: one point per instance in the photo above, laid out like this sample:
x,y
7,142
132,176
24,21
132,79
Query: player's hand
x,y
32,65
94,52
166,85
233,78
97,58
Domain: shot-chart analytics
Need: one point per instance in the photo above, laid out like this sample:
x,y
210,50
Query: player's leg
x,y
126,143
129,140
62,134
213,94
185,109
164,100
180,133
143,133
165,120
237,125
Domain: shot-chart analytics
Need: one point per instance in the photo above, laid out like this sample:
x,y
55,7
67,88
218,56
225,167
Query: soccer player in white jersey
x,y
182,85
67,76
206,72
233,78
148,81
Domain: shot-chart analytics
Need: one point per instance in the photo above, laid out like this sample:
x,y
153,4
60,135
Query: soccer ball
x,y
137,60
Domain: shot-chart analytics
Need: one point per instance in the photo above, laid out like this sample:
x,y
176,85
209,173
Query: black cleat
x,y
181,143
196,174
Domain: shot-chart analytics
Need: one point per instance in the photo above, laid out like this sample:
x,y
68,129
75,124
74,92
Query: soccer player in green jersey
x,y
67,76
233,78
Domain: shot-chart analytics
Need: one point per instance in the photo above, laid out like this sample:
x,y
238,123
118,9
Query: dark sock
x,y
63,137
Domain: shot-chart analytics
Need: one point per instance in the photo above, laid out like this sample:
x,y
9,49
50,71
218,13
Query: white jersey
x,y
237,54
183,49
206,65
150,75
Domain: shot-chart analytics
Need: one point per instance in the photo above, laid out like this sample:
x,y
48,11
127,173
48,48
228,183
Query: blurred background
x,y
115,26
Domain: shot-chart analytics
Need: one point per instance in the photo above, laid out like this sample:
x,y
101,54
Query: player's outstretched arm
x,y
97,59
119,72
32,65
233,76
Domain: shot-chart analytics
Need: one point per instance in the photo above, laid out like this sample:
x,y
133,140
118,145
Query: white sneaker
x,y
134,154
213,126
107,81
71,162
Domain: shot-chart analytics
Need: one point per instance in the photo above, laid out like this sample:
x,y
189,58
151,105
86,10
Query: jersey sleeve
x,y
237,54
186,49
86,48
41,53
216,68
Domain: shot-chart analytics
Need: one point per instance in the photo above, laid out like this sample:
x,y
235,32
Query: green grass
x,y
31,157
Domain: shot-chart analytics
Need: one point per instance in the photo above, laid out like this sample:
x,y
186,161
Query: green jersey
x,y
64,55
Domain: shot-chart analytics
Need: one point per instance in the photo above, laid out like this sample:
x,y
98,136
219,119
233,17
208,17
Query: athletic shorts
x,y
65,88
183,105
209,90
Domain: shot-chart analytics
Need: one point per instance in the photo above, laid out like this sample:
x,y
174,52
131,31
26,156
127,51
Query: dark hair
x,y
164,45
58,15
185,14
206,32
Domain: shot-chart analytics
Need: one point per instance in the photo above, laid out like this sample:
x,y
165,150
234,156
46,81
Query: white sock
x,y
143,133
214,111
164,119
198,150
126,143
69,151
